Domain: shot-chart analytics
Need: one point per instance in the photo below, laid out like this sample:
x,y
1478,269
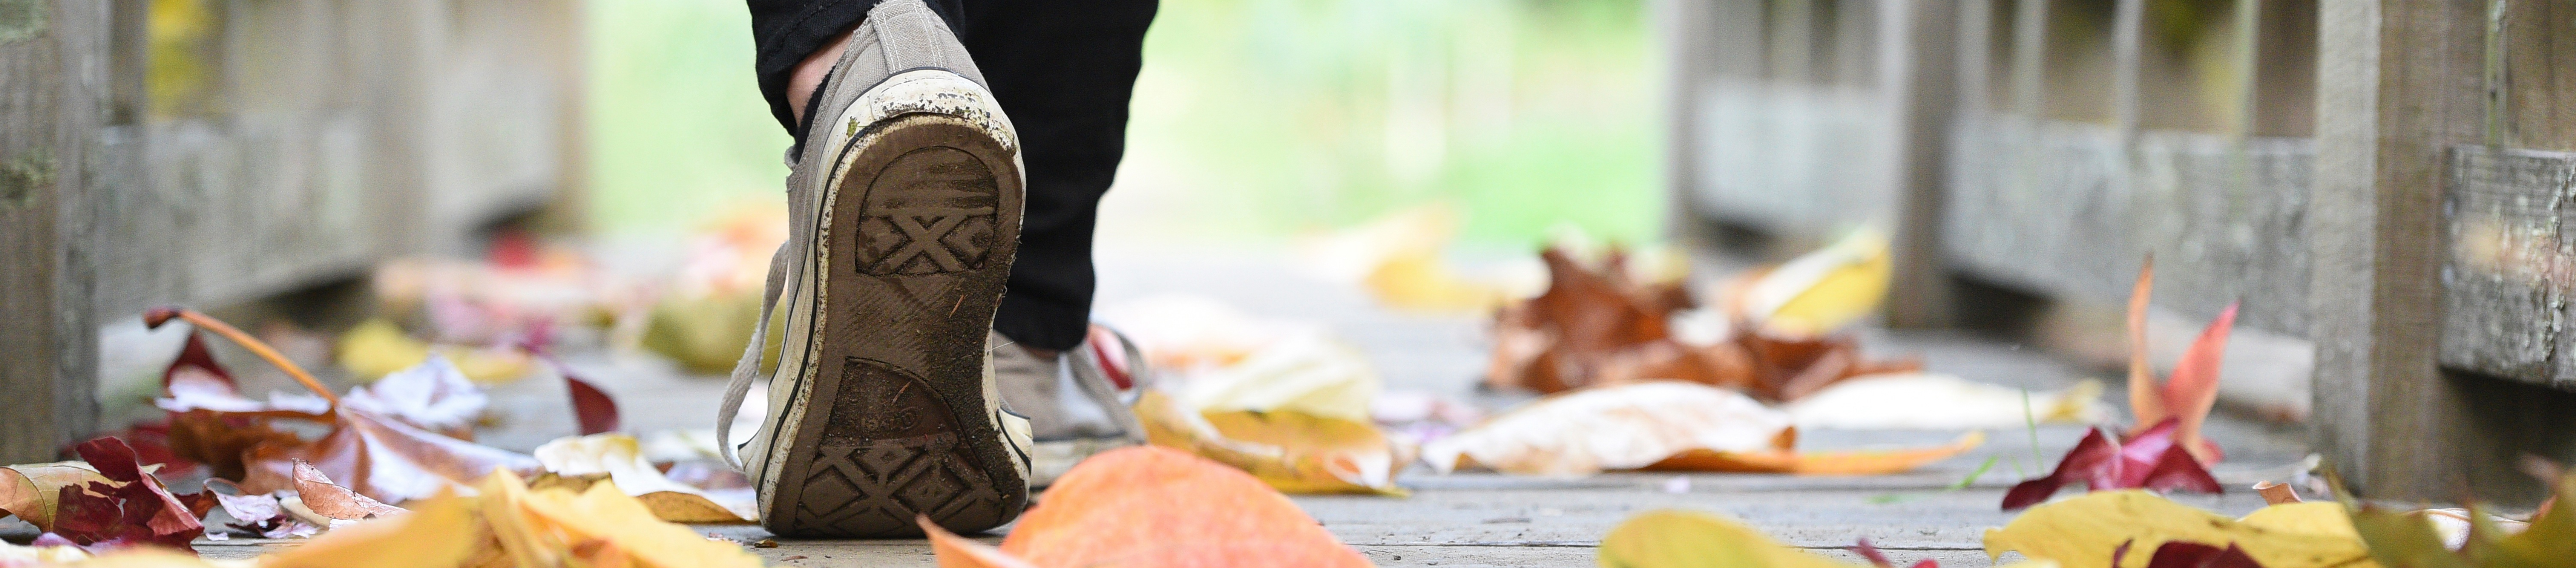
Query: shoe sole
x,y
896,420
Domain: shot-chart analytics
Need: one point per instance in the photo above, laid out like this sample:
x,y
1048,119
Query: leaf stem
x,y
154,317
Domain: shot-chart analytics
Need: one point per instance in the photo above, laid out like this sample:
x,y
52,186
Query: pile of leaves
x,y
1596,325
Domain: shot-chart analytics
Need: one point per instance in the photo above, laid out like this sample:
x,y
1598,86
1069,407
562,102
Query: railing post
x,y
53,87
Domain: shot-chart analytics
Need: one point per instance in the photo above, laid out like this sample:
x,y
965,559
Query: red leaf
x,y
2180,554
2194,386
2095,460
1880,560
2178,471
597,412
135,510
195,356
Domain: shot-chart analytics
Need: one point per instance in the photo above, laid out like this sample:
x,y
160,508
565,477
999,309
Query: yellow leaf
x,y
605,513
621,459
33,491
1847,462
1824,290
1292,451
439,533
2083,531
1684,539
1419,281
1687,539
377,347
707,333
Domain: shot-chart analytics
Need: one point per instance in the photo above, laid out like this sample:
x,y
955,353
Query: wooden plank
x,y
1919,53
2399,86
2285,69
52,91
2503,312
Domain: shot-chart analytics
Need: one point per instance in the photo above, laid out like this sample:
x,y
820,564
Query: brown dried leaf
x,y
331,500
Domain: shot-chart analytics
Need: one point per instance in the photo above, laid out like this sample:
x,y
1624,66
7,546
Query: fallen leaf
x,y
591,407
13,555
1849,462
260,514
1617,427
1689,539
432,395
131,508
380,458
619,458
1307,371
1292,451
331,500
1933,401
628,528
377,348
1823,290
955,551
2411,538
1148,506
2149,460
2087,530
33,492
442,532
2187,396
1880,560
2179,554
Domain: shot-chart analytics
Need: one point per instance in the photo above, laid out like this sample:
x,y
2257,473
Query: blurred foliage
x,y
181,80
1254,119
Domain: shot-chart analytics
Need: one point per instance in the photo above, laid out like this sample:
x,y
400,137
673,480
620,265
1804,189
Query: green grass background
x,y
1255,120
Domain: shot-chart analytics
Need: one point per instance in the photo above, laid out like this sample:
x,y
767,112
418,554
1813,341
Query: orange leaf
x,y
331,500
2194,386
1150,506
1852,462
961,552
2144,401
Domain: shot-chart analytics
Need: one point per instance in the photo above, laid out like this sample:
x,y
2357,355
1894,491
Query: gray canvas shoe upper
x,y
1073,405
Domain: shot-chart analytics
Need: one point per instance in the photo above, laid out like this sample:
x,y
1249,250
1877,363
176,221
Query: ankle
x,y
808,75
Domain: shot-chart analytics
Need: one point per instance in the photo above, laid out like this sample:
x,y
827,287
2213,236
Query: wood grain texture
x,y
52,89
2508,270
2539,90
2061,208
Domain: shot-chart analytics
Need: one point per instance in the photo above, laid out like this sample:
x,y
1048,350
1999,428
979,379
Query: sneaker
x,y
904,211
1079,403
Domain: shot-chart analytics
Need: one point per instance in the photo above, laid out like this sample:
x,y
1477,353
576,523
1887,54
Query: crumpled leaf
x,y
380,456
1824,290
603,522
1308,372
442,533
1933,401
1618,427
620,459
1688,539
260,514
433,395
33,492
131,508
2088,530
1547,343
2149,460
1293,451
1149,506
332,500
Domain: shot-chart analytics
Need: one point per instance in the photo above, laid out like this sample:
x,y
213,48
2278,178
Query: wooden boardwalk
x,y
1484,519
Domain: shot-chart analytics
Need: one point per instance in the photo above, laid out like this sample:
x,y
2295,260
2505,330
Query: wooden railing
x,y
214,152
2387,179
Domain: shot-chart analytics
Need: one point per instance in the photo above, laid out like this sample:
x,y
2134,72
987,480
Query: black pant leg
x,y
783,32
1063,70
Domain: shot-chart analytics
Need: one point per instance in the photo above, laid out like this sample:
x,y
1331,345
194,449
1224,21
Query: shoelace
x,y
800,229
